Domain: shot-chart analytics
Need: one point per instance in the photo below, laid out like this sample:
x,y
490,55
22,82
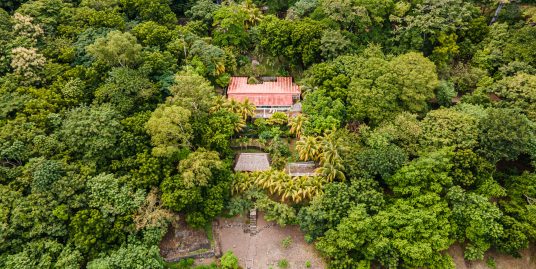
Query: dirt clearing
x,y
265,249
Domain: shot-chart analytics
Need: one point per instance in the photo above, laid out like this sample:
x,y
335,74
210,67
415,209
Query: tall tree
x,y
170,129
91,132
116,49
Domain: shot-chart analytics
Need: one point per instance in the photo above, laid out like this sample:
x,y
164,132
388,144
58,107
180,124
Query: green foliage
x,y
406,83
517,92
170,129
520,214
502,46
419,116
281,213
381,161
490,262
327,210
91,233
282,264
286,242
217,132
469,169
445,93
298,41
449,128
429,173
432,19
229,261
207,59
45,173
505,134
106,194
324,113
127,90
193,92
130,256
333,44
201,175
91,132
202,10
231,24
44,253
155,10
406,234
475,220
152,34
116,49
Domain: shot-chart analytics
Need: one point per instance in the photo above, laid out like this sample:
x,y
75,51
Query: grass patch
x,y
282,264
287,241
182,264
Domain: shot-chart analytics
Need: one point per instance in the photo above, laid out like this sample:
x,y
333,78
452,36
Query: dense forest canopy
x,y
420,114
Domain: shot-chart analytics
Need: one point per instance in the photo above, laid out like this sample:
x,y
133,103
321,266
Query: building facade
x,y
277,94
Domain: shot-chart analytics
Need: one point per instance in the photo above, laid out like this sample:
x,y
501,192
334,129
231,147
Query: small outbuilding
x,y
300,169
251,162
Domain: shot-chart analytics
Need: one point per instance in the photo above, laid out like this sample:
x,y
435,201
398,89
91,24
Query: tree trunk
x,y
497,11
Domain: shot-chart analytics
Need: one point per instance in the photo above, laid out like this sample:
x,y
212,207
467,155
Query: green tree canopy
x,y
91,132
116,49
169,127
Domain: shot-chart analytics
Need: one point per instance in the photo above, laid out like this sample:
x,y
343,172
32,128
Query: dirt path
x,y
252,252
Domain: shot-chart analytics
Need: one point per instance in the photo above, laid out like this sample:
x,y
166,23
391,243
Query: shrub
x,y
287,241
282,263
229,261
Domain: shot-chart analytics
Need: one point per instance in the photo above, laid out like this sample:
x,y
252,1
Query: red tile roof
x,y
268,93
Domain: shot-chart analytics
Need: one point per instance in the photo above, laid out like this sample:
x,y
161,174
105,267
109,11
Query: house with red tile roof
x,y
271,95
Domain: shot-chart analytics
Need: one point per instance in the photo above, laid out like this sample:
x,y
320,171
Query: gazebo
x,y
251,162
299,169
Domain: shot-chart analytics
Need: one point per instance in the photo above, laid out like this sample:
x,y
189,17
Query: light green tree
x,y
448,127
406,83
116,49
170,129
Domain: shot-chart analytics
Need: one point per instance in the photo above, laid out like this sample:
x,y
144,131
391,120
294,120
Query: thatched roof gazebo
x,y
251,162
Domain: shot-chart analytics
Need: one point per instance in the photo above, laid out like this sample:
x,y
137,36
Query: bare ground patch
x,y
264,249
527,260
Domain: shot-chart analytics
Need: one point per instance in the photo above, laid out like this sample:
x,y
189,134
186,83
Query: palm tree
x,y
287,191
233,106
308,148
330,160
281,181
220,68
332,171
239,125
253,13
265,180
296,125
314,187
219,102
330,148
247,109
330,151
242,182
300,193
